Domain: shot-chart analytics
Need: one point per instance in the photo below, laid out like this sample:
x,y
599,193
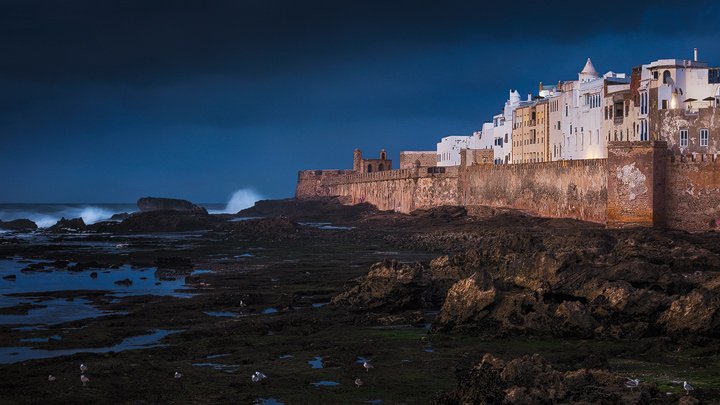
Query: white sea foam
x,y
241,199
48,215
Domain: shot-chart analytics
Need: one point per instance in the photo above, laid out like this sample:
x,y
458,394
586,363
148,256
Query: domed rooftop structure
x,y
588,72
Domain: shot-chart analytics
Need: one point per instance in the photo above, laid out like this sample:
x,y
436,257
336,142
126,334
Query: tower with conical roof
x,y
588,73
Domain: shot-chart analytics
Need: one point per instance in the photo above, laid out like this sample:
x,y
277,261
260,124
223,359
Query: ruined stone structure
x,y
639,184
361,165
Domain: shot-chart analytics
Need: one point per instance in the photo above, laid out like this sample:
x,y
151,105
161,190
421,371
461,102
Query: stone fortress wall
x,y
639,184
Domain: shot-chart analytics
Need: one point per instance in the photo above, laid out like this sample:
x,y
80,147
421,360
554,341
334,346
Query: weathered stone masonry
x,y
640,184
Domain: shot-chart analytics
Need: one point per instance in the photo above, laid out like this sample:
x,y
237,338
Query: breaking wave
x,y
46,215
241,199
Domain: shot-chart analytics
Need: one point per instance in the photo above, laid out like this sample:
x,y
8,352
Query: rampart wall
x,y
564,189
639,184
693,192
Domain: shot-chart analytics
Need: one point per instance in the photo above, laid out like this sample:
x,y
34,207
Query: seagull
x,y
84,380
367,366
630,383
51,378
178,375
687,387
258,376
358,382
83,368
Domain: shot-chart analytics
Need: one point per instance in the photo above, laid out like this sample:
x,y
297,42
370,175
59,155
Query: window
x,y
704,137
664,105
566,110
683,138
655,75
666,77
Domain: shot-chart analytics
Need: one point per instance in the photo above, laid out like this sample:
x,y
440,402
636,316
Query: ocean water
x,y
46,215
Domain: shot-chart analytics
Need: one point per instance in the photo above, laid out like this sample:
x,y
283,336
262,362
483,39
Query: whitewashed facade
x,y
576,115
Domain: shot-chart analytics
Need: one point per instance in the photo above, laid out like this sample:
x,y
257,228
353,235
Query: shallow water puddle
x,y
40,339
32,285
16,354
268,401
221,313
216,356
270,310
316,362
325,383
226,368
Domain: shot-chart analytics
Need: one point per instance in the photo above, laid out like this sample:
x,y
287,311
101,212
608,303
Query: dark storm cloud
x,y
145,40
107,100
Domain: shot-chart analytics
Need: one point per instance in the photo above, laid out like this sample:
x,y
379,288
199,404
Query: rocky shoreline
x,y
450,306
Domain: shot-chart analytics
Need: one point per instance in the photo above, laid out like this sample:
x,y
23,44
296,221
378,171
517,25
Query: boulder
x,y
697,312
389,286
163,204
467,301
18,225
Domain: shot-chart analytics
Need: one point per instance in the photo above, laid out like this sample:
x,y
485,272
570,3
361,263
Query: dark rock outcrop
x,y
468,300
18,225
68,225
146,204
532,380
160,221
389,286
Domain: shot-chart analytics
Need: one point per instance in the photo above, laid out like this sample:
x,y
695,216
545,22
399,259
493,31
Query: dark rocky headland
x,y
450,306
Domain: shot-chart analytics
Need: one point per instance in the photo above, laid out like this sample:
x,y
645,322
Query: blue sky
x,y
110,101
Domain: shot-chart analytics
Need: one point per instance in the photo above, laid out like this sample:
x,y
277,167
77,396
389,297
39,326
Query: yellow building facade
x,y
530,133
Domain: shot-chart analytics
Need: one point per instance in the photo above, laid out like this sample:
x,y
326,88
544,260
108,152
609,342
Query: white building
x,y
448,149
576,115
498,133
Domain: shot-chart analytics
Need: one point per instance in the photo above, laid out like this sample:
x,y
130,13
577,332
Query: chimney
x,y
695,56
529,97
540,88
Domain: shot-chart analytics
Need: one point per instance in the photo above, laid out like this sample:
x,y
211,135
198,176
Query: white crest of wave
x,y
241,199
91,215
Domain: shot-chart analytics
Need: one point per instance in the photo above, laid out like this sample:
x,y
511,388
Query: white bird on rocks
x,y
687,387
83,368
367,366
630,383
258,376
178,374
84,380
51,378
358,382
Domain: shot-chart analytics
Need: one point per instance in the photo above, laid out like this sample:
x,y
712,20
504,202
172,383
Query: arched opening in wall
x,y
381,167
666,77
383,155
369,169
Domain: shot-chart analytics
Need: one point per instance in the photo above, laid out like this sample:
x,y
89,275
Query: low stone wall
x,y
693,193
565,189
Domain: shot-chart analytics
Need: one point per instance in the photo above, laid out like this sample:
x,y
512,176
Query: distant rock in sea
x,y
18,225
64,225
162,204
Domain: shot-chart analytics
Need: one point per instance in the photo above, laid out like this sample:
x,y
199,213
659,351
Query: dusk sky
x,y
108,101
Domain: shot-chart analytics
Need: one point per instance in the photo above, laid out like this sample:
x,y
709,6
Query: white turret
x,y
588,73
